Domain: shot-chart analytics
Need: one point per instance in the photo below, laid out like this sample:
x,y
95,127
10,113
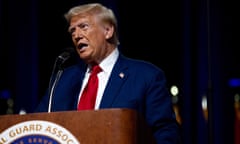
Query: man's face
x,y
89,36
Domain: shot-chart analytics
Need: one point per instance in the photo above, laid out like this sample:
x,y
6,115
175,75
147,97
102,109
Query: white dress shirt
x,y
103,76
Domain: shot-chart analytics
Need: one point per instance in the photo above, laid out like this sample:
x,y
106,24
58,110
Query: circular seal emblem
x,y
37,132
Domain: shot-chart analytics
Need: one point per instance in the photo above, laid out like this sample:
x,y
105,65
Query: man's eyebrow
x,y
72,27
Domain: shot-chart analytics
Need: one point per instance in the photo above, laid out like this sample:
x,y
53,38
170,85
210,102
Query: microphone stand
x,y
51,93
58,64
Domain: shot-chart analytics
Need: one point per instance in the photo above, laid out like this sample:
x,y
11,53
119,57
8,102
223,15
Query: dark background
x,y
194,41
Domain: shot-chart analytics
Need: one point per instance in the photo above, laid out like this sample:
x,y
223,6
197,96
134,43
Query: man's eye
x,y
71,31
84,26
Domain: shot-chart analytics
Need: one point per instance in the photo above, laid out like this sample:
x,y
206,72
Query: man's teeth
x,y
82,45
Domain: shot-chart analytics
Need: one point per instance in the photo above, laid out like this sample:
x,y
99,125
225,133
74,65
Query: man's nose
x,y
78,35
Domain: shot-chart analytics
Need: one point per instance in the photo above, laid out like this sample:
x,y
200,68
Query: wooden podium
x,y
105,126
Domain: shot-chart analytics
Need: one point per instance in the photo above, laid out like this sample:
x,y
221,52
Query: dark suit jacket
x,y
133,84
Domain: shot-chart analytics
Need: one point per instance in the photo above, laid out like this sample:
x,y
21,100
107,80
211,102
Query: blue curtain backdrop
x,y
194,41
19,52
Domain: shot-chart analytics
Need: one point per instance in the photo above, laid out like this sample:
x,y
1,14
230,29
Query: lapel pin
x,y
121,75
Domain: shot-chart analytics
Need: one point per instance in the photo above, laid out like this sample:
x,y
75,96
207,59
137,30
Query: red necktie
x,y
88,98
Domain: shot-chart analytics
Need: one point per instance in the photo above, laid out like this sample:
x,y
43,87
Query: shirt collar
x,y
108,63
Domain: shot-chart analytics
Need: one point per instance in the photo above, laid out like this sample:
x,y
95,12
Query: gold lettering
x,y
3,140
64,137
48,129
38,127
59,133
12,134
54,131
31,127
25,129
70,141
18,131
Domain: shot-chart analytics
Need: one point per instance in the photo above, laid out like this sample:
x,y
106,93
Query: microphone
x,y
60,60
58,66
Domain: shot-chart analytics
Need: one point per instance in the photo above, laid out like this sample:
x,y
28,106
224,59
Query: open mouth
x,y
82,45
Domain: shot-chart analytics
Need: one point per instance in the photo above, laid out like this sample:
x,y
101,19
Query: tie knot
x,y
96,69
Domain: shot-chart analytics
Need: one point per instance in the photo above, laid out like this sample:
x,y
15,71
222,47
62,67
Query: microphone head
x,y
64,56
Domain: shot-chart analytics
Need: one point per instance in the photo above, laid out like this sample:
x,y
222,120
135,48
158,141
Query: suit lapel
x,y
77,82
118,76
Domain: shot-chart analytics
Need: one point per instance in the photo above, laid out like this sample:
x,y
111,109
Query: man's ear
x,y
109,31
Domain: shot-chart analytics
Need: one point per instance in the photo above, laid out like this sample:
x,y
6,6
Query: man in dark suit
x,y
123,82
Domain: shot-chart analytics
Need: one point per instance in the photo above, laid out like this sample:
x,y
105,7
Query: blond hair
x,y
105,14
